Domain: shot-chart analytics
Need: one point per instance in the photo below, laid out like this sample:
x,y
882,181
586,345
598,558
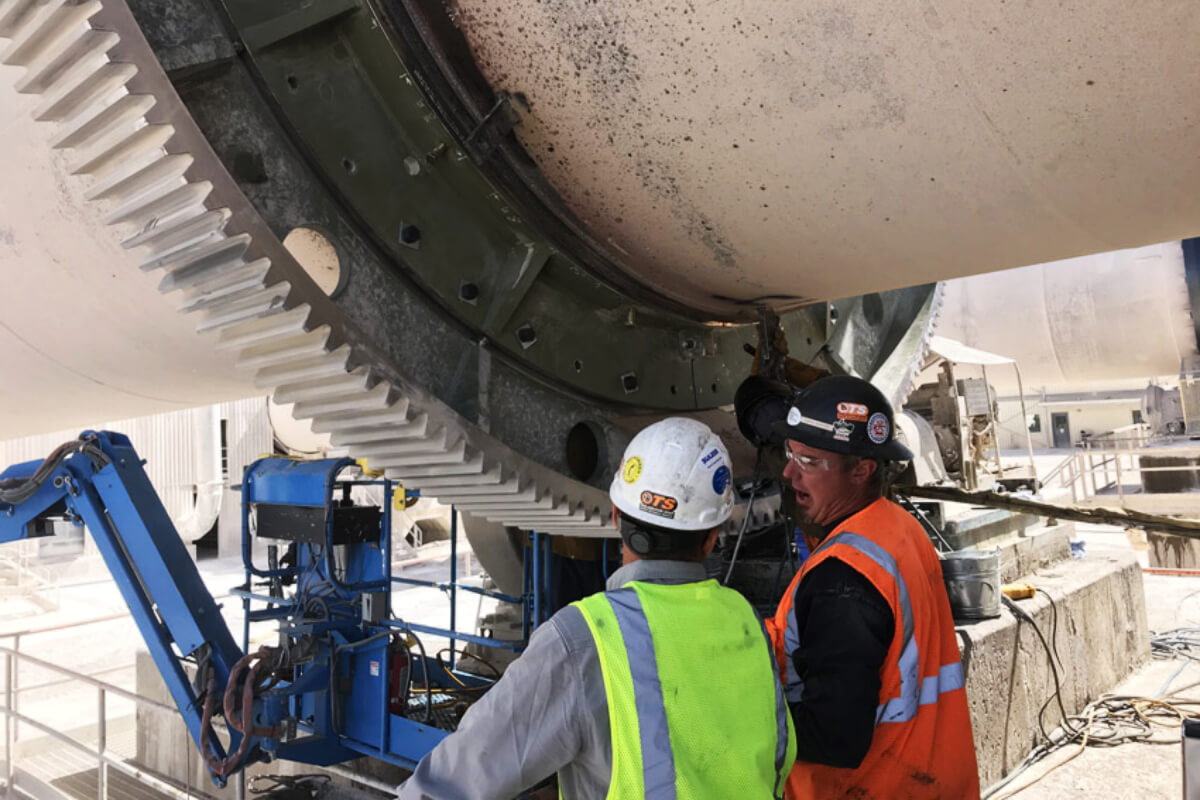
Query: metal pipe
x,y
1120,488
16,698
445,587
537,578
987,394
10,695
548,569
453,578
1025,416
483,641
101,746
108,687
525,593
385,540
365,780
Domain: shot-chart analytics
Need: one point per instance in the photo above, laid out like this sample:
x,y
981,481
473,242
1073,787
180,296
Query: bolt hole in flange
x,y
629,382
578,365
317,256
350,166
293,82
583,450
468,292
409,235
526,335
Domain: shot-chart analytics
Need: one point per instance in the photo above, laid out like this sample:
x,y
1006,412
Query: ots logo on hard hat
x,y
878,428
842,430
632,470
721,480
660,505
794,416
852,411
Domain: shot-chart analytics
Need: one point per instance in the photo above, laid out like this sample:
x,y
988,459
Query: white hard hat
x,y
675,474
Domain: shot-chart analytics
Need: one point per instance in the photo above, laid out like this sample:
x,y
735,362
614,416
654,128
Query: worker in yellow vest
x,y
662,687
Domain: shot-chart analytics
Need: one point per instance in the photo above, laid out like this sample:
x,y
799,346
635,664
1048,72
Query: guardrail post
x,y
1120,488
10,725
453,580
101,746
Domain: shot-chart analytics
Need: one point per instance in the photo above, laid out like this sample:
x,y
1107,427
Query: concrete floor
x,y
1133,770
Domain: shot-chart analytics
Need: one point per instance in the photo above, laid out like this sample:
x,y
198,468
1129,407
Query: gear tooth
x,y
49,33
15,15
254,307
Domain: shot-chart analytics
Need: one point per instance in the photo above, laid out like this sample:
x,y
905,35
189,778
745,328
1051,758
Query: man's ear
x,y
864,470
710,541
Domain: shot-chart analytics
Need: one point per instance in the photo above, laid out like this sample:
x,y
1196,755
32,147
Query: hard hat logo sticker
x,y
660,505
721,480
842,430
794,416
632,470
856,412
878,428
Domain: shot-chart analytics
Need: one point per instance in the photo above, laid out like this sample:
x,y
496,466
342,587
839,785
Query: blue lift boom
x,y
343,679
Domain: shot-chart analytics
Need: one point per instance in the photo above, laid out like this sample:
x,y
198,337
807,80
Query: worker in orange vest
x,y
864,636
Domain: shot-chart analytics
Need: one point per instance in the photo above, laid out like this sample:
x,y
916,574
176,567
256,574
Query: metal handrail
x,y
110,688
1054,473
1086,471
104,761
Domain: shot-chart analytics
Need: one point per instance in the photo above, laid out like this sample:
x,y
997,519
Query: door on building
x,y
1060,430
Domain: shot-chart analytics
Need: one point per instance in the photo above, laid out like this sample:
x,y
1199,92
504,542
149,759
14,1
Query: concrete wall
x,y
165,748
1102,638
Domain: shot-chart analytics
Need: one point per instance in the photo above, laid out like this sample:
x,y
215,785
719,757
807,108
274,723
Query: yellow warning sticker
x,y
632,469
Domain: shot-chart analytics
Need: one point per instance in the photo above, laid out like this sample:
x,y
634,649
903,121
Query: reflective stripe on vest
x,y
782,714
658,760
914,690
635,655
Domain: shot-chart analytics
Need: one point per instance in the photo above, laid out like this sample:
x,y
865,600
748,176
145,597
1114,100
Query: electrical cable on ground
x,y
1111,719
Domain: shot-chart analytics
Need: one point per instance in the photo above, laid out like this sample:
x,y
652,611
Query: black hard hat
x,y
847,415
759,403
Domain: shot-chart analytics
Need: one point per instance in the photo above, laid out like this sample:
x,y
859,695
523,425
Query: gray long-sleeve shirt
x,y
548,714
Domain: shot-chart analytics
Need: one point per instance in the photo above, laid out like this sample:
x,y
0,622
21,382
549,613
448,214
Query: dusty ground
x,y
1131,770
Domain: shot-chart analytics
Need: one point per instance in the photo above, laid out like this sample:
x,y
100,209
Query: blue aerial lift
x,y
345,678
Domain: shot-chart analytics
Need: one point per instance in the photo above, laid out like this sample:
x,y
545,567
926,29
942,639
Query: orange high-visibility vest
x,y
922,747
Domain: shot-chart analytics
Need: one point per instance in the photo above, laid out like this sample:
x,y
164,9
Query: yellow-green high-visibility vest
x,y
695,706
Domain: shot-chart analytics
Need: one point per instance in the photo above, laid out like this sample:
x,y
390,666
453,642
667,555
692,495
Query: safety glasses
x,y
806,463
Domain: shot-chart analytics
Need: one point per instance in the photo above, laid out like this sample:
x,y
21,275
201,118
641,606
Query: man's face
x,y
825,490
